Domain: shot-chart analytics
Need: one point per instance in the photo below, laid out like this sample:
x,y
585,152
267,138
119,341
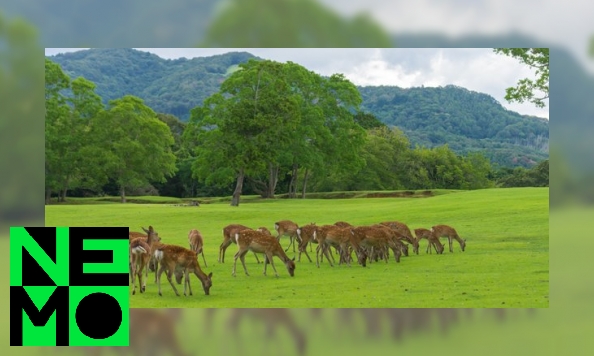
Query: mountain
x,y
465,120
168,86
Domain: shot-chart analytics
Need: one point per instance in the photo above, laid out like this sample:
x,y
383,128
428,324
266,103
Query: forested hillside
x,y
467,121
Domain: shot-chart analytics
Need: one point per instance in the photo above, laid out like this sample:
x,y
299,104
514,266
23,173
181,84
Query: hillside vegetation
x,y
468,121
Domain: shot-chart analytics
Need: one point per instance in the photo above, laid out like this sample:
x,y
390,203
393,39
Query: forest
x,y
270,128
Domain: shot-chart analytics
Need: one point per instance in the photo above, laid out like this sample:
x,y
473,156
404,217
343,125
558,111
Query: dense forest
x,y
467,121
271,127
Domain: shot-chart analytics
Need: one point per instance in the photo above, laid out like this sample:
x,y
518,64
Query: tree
x,y
280,23
57,113
136,145
533,91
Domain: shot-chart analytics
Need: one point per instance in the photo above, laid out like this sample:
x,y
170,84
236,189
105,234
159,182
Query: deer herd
x,y
369,244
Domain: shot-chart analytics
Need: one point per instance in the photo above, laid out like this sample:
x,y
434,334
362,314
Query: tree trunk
x,y
272,180
238,188
304,183
63,193
123,194
48,196
293,183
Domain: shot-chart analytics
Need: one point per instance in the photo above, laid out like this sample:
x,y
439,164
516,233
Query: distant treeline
x,y
271,128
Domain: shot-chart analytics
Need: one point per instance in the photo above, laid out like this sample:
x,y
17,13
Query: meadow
x,y
506,262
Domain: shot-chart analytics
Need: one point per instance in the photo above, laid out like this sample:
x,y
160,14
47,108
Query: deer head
x,y
463,245
207,283
291,266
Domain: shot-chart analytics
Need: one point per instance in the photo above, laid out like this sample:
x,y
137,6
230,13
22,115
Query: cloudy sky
x,y
475,69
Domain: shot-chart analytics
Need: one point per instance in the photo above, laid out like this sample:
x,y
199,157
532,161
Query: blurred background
x,y
28,26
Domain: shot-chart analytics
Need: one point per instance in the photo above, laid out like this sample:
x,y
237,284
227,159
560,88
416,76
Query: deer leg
x,y
133,276
266,260
257,259
203,258
156,268
270,258
317,256
235,263
169,274
222,250
188,281
242,258
159,278
325,249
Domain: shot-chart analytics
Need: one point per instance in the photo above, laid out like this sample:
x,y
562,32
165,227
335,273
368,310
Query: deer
x,y
140,254
405,231
256,241
366,239
288,228
152,239
173,257
432,240
197,243
152,332
134,234
343,224
339,237
264,229
450,233
229,232
306,235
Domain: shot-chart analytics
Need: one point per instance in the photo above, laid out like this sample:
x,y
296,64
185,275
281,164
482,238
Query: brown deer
x,y
140,254
152,332
256,241
197,243
339,238
173,257
134,234
287,228
307,235
432,240
343,224
229,232
403,229
264,229
450,233
274,319
152,239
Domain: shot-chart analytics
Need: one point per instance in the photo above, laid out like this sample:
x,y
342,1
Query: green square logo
x,y
69,286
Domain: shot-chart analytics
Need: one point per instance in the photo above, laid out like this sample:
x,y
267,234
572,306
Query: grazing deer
x,y
432,240
197,243
339,238
140,254
343,224
404,230
173,257
229,232
273,319
288,228
264,230
306,234
256,241
450,233
152,333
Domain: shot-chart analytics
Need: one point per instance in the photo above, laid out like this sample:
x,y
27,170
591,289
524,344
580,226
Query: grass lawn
x,y
506,262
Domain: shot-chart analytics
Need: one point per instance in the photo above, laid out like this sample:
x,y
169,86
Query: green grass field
x,y
506,262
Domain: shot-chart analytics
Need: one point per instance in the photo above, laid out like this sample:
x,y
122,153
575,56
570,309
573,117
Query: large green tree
x,y
136,145
535,91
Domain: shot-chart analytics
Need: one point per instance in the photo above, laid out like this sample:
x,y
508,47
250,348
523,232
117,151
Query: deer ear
x,y
210,275
145,230
293,259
